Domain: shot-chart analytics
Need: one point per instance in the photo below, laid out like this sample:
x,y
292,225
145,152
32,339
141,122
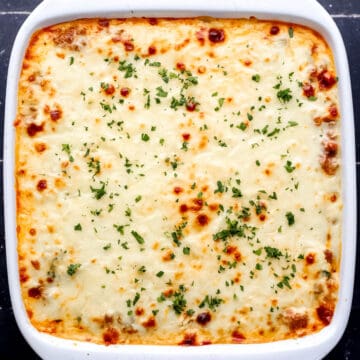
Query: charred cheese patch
x,y
178,181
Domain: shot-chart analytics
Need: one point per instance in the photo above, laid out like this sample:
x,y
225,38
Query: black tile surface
x,y
350,30
346,7
13,13
18,5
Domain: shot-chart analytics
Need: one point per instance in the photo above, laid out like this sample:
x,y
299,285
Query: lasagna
x,y
178,181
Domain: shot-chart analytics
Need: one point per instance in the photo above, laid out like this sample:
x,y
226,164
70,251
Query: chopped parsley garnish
x,y
136,299
120,228
236,193
72,269
138,237
184,146
291,32
220,104
211,302
220,187
284,95
164,75
71,60
291,124
78,227
147,103
179,302
273,196
161,92
177,234
145,137
186,251
289,166
284,282
106,107
272,252
94,165
290,218
274,132
128,69
155,64
256,78
242,126
142,269
234,228
107,246
66,148
175,103
100,192
160,274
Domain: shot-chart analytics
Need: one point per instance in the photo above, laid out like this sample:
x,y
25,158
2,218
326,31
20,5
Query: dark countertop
x,y
13,13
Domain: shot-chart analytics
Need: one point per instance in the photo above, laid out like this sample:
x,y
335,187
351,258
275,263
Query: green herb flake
x,y
289,166
136,299
160,274
242,126
138,237
128,69
100,192
220,187
220,104
284,282
145,137
290,218
236,193
256,78
272,252
179,302
284,95
164,75
107,246
78,227
66,148
142,269
161,92
291,32
211,302
186,251
72,269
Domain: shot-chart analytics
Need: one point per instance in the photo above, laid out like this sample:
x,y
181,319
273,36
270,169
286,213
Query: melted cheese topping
x,y
177,181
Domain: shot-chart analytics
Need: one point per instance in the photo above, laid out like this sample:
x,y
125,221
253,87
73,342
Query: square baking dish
x,y
306,12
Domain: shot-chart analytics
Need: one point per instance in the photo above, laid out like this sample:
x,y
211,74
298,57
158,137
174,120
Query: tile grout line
x,y
15,12
26,12
346,16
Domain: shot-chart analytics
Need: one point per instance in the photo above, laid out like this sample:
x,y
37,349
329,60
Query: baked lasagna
x,y
178,181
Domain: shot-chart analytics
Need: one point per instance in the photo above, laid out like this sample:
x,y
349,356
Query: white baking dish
x,y
306,12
